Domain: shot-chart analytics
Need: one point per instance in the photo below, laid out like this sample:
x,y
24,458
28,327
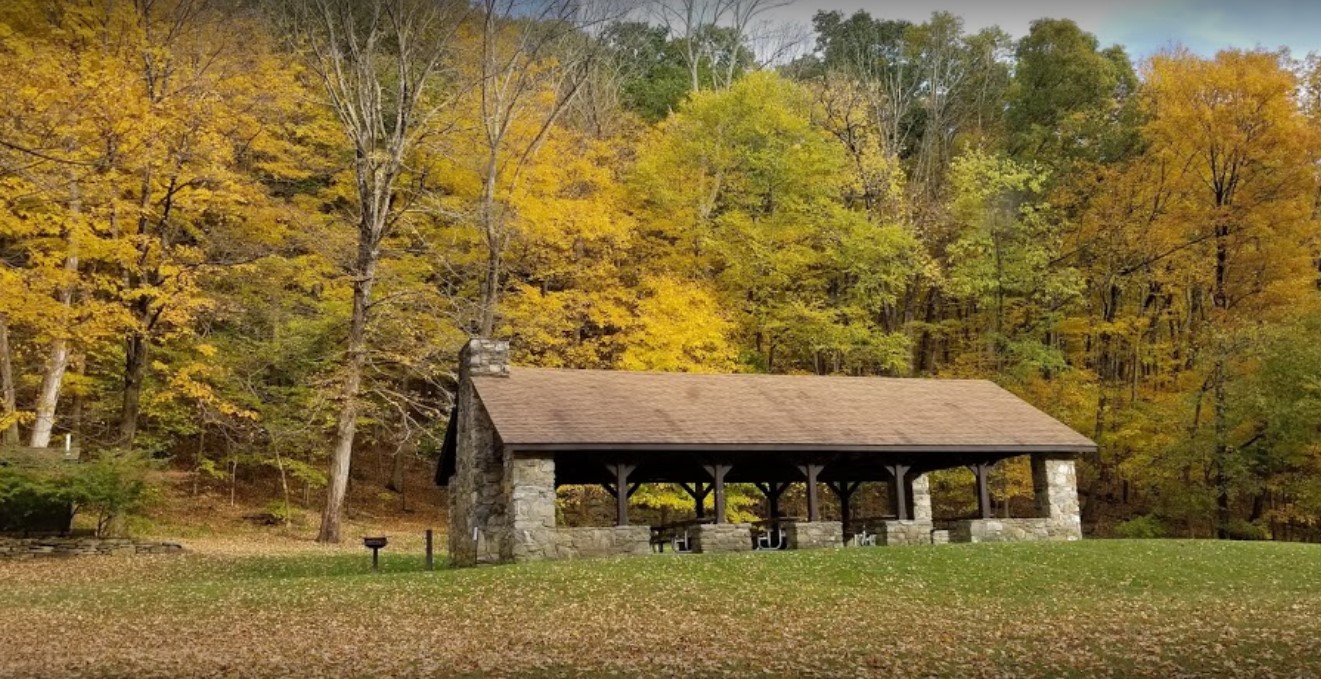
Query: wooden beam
x,y
899,472
698,491
844,491
621,491
718,472
811,472
981,471
773,490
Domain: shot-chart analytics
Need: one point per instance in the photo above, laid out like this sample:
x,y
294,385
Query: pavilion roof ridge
x,y
757,375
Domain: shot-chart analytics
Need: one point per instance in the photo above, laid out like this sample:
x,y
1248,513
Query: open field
x,y
1097,608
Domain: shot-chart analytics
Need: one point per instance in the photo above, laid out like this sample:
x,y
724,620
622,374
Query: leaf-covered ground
x,y
1097,608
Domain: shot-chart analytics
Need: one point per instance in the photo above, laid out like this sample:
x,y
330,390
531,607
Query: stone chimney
x,y
484,358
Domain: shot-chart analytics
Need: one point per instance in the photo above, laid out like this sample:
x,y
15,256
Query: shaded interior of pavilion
x,y
824,485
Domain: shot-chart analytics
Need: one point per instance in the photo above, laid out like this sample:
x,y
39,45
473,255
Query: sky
x,y
1143,27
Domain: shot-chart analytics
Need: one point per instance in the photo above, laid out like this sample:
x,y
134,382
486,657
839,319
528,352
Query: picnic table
x,y
769,533
862,530
676,534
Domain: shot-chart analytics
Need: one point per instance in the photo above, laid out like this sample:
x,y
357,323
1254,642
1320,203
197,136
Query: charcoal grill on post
x,y
376,545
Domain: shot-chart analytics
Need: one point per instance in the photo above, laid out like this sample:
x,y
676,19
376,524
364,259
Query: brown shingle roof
x,y
563,409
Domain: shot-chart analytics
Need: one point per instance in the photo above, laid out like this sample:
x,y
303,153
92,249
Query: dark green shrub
x,y
45,499
32,501
110,488
1238,529
1141,528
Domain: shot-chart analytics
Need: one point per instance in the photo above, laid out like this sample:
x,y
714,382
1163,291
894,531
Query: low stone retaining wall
x,y
813,534
1011,530
903,533
721,537
581,543
27,548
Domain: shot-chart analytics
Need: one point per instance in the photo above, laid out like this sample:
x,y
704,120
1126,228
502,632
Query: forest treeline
x,y
252,236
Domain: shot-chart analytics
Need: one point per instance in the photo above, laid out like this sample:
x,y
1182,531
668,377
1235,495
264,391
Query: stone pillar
x,y
476,492
529,491
712,538
903,533
919,494
484,358
813,534
1056,484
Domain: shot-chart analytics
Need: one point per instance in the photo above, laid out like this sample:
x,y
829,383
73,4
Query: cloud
x,y
1206,27
1013,16
1142,26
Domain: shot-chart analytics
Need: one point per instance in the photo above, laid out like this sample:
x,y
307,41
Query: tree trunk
x,y
49,395
338,483
284,488
135,369
396,482
78,362
1220,300
491,228
8,399
1221,453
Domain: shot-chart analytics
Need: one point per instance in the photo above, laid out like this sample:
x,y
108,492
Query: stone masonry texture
x,y
1055,481
537,544
28,548
478,529
919,490
722,537
903,533
813,534
1008,530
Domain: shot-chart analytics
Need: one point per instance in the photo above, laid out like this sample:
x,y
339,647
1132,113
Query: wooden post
x,y
900,472
981,470
844,490
621,491
811,471
431,564
717,473
698,491
773,491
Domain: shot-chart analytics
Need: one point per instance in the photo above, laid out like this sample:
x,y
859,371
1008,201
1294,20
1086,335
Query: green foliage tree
x,y
1070,100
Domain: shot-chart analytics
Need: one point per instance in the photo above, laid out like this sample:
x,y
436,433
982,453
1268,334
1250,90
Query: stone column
x,y
529,489
813,534
919,494
476,494
1056,484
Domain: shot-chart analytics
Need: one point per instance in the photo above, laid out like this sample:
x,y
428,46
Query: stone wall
x,y
477,500
903,533
1009,530
712,538
27,548
813,534
1056,484
538,544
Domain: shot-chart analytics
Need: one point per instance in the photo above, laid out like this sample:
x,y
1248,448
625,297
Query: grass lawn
x,y
1096,608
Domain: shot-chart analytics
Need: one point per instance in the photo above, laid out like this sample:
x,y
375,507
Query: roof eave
x,y
1018,449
